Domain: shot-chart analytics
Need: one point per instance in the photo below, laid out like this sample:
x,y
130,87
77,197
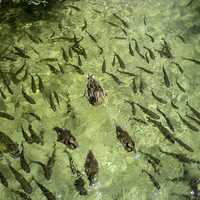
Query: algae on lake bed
x,y
144,57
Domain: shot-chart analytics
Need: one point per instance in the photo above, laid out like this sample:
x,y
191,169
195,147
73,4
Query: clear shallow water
x,y
120,173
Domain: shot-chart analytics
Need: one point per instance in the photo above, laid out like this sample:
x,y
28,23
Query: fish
x,y
145,20
179,67
113,61
91,167
74,7
193,119
61,68
27,138
32,38
194,111
126,72
35,51
139,120
146,58
159,99
94,91
112,24
137,49
183,144
148,112
101,49
26,186
48,60
79,61
103,67
20,52
115,78
33,84
173,105
20,69
181,38
35,138
28,98
192,60
133,109
180,87
131,52
79,184
124,31
3,179
70,52
166,78
77,69
153,180
97,11
120,61
169,123
153,158
64,55
165,132
21,194
84,27
125,139
41,84
49,195
180,157
134,86
53,69
151,54
151,37
119,38
56,97
6,116
51,102
121,20
190,126
34,115
189,3
2,94
92,37
145,70
141,86
24,164
65,136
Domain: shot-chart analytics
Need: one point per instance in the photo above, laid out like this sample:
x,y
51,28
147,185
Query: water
x,y
120,173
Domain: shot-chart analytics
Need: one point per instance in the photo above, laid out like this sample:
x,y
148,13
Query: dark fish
x,y
179,67
35,51
26,137
56,97
183,144
74,7
139,120
92,37
148,112
84,27
119,38
64,136
166,133
48,60
91,167
190,126
131,52
133,109
134,86
194,111
79,61
113,61
3,179
61,68
153,158
145,70
6,116
125,139
20,52
180,87
41,84
151,38
146,58
101,49
141,86
22,195
26,186
33,84
189,3
137,49
120,61
181,38
120,19
180,157
97,11
24,164
115,78
77,69
153,180
27,97
159,99
126,72
124,31
35,138
145,20
34,115
151,54
51,102
79,184
45,169
174,106
169,123
70,52
2,94
49,195
192,60
32,38
8,87
103,67
166,78
64,54
53,69
20,69
193,118
112,24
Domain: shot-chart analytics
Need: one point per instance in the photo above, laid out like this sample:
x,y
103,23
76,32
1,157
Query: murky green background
x,y
120,175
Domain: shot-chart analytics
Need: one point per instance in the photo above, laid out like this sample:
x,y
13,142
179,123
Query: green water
x,y
120,173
